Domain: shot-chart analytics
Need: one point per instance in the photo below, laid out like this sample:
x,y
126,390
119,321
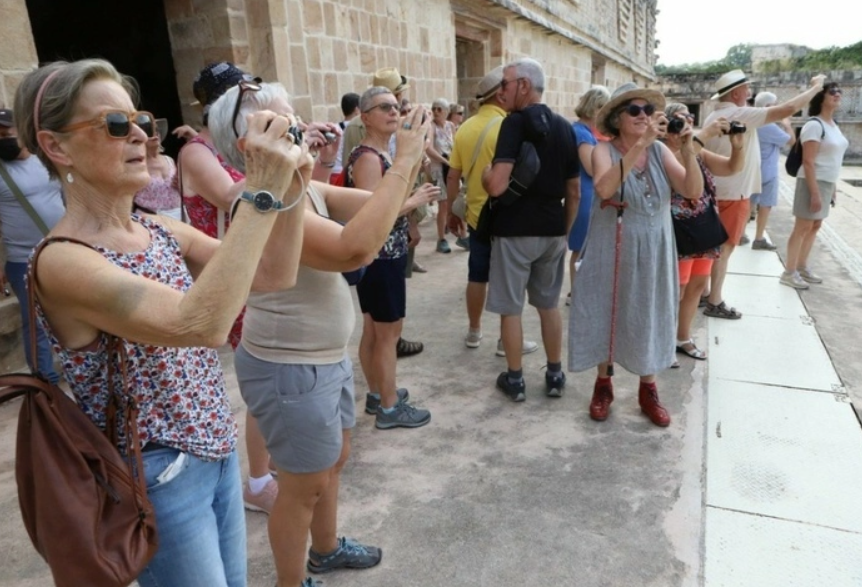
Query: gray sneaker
x,y
555,382
793,280
372,402
744,240
473,339
403,416
529,347
348,555
810,276
761,244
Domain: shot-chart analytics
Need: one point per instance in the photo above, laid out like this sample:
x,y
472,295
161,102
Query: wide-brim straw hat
x,y
729,81
623,94
389,78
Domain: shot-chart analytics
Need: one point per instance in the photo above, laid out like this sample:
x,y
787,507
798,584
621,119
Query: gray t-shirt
x,y
20,233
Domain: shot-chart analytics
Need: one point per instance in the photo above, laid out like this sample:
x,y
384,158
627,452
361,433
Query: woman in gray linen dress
x,y
647,295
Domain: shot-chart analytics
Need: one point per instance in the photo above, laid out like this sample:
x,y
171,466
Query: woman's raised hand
x,y
410,136
657,128
718,127
271,156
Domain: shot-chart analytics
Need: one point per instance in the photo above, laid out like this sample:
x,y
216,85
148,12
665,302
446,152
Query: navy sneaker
x,y
555,383
348,555
515,391
372,402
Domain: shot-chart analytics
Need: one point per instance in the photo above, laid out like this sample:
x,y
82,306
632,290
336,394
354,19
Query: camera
x,y
675,126
736,128
296,133
330,137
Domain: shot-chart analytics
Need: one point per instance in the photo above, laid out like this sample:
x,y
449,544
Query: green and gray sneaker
x,y
402,416
348,555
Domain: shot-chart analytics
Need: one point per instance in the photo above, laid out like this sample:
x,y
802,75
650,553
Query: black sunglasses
x,y
118,124
835,91
634,110
244,86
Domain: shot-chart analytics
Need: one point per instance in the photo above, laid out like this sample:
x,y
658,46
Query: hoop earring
x,y
70,178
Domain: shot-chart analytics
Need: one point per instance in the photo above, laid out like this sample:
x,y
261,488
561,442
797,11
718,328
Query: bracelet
x,y
698,141
327,163
396,174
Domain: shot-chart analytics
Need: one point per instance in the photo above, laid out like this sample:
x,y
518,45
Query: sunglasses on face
x,y
118,124
506,82
634,110
386,107
835,91
244,86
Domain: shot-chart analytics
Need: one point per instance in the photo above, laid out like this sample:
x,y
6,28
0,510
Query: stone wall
x,y
17,49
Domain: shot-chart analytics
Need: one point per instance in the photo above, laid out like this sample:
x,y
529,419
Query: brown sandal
x,y
406,348
721,311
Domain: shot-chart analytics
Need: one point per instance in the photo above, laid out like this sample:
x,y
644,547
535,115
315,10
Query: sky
x,y
689,31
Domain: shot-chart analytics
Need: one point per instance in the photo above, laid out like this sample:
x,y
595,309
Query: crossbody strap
x,y
479,144
28,207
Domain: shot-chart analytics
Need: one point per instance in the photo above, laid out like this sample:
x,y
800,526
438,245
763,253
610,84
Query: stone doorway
x,y
131,35
478,49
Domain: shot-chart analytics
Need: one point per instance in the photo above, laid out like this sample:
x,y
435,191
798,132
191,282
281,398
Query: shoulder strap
x,y
479,144
28,207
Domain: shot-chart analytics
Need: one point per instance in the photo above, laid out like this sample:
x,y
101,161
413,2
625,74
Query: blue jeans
x,y
15,273
200,522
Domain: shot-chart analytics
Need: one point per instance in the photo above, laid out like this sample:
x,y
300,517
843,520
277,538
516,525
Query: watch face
x,y
263,201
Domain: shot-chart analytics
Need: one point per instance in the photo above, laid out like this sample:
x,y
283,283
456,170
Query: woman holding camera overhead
x,y
171,294
625,297
823,147
695,267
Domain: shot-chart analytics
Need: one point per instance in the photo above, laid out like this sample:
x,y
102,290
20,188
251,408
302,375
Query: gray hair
x,y
532,70
221,118
764,99
674,108
592,101
60,96
441,103
365,102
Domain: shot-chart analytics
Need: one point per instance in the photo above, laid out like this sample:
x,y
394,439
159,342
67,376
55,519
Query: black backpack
x,y
794,157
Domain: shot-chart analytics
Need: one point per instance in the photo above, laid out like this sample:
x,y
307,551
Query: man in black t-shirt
x,y
528,225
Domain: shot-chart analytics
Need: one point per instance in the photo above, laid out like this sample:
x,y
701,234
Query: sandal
x,y
721,311
704,300
406,348
693,352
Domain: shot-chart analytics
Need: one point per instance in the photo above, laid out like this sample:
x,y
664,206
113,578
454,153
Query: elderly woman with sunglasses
x,y
169,292
440,141
694,269
292,364
625,297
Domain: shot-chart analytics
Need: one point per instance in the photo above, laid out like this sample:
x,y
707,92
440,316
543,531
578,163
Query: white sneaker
x,y
810,276
793,280
473,339
529,347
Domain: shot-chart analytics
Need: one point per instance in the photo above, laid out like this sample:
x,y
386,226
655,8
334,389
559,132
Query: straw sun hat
x,y
622,95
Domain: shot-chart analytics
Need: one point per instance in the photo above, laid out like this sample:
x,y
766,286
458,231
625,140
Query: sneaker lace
x,y
352,547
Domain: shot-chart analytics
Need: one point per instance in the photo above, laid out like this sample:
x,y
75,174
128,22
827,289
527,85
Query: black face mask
x,y
9,149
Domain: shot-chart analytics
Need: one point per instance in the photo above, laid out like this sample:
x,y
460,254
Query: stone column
x,y
17,49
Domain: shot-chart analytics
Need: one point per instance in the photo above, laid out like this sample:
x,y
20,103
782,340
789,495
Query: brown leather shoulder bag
x,y
84,507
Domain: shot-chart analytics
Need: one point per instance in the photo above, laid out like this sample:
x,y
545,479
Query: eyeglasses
x,y
506,82
386,107
118,124
244,86
835,91
634,110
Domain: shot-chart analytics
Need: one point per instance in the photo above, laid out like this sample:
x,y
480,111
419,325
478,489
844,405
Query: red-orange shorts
x,y
734,216
693,267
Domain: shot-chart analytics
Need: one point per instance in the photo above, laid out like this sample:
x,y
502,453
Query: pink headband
x,y
38,104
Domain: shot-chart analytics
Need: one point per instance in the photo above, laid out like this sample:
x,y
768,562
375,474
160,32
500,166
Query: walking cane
x,y
620,206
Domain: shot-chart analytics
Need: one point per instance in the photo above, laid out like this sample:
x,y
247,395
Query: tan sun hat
x,y
626,93
389,78
489,84
729,81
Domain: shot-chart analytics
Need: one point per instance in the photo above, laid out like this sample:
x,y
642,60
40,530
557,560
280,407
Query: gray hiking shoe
x,y
372,402
309,582
555,382
761,244
403,416
514,391
348,555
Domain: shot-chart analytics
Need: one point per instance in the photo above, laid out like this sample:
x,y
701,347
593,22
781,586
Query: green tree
x,y
739,57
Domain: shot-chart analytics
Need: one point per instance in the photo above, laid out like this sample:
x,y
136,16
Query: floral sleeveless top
x,y
162,193
681,207
180,391
204,216
395,246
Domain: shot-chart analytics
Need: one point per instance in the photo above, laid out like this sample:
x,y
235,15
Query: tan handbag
x,y
86,511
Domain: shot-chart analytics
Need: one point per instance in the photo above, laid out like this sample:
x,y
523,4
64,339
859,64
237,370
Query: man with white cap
x,y
473,150
732,91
